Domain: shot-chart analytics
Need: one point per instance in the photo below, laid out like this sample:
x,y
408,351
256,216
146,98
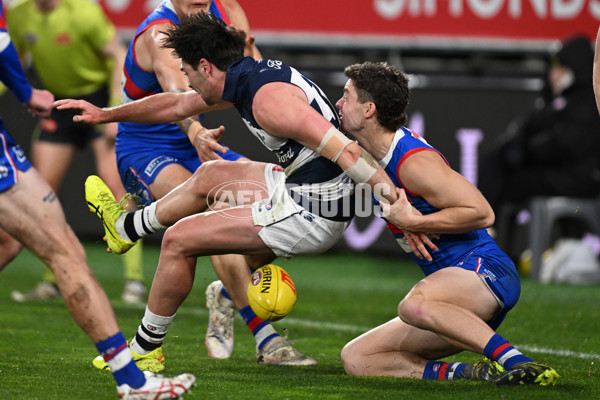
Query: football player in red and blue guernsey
x,y
22,188
469,284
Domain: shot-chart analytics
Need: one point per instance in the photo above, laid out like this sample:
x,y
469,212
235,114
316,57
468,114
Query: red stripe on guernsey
x,y
110,355
133,91
256,321
394,228
155,22
442,371
222,11
499,350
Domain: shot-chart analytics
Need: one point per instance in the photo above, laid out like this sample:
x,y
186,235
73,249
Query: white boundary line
x,y
563,353
202,312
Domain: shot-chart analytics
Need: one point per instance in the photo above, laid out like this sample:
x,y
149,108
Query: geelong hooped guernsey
x,y
452,247
314,182
137,84
12,157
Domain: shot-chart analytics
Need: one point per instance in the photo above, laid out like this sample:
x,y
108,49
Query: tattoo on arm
x,y
185,124
50,197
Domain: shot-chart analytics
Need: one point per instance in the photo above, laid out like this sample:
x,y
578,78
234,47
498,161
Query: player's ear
x,y
370,109
204,66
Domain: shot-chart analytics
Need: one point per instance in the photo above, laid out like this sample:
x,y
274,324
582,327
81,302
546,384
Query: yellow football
x,y
271,292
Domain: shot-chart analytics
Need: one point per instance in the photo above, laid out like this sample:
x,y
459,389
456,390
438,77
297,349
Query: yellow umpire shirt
x,y
65,44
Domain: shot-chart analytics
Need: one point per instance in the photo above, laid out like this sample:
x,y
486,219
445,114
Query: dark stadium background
x,y
463,80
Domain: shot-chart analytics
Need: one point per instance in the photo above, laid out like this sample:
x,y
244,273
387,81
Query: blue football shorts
x,y
138,171
12,159
499,273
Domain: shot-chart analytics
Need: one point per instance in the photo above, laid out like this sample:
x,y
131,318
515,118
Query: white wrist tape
x,y
363,169
333,144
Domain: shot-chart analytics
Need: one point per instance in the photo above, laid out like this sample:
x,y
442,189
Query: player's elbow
x,y
486,216
489,220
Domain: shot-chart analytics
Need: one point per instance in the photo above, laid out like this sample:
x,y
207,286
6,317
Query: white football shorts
x,y
289,229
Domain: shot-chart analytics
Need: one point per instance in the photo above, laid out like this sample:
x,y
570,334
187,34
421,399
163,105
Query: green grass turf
x,y
43,355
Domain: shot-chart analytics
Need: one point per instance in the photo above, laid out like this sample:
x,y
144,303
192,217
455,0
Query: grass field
x,y
43,355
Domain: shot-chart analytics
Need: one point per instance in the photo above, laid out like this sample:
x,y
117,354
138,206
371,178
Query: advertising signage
x,y
490,23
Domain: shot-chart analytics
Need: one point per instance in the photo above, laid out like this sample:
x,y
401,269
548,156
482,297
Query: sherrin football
x,y
271,292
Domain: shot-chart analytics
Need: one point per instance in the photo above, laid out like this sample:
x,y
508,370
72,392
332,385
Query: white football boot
x,y
219,335
158,387
281,352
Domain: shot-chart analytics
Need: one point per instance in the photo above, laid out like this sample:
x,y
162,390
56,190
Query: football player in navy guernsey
x,y
40,225
155,158
470,284
292,117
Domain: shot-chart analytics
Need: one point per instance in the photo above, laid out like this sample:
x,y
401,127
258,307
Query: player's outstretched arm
x,y
159,108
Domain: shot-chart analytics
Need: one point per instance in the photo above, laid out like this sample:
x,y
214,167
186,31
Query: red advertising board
x,y
331,22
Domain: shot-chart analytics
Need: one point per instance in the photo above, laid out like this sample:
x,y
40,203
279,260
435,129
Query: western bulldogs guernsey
x,y
453,248
12,157
137,84
314,182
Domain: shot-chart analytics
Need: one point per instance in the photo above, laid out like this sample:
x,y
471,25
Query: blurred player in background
x,y
75,51
31,215
553,149
153,159
470,284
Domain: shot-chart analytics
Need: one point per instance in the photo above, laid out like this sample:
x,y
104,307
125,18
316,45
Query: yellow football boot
x,y
153,361
102,202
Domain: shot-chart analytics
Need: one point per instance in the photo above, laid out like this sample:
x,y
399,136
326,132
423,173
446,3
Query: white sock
x,y
150,333
265,332
133,226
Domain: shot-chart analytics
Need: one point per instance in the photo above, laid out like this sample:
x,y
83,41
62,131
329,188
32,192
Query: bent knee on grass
x,y
352,360
413,310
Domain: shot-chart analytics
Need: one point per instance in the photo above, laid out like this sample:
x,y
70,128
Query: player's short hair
x,y
384,85
203,35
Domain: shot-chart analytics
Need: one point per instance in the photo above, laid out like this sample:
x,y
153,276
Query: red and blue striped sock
x,y
118,357
262,330
498,349
444,370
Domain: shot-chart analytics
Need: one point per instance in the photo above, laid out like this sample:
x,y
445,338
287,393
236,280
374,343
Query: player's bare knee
x,y
351,359
173,240
9,250
203,179
412,311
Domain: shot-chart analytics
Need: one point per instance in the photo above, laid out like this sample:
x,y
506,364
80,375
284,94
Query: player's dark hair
x,y
203,35
385,86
